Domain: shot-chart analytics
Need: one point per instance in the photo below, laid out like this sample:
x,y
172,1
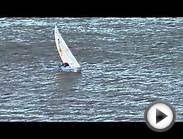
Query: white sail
x,y
64,51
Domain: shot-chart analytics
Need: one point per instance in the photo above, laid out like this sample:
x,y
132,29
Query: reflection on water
x,y
67,80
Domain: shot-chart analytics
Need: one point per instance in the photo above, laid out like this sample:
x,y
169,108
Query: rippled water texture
x,y
126,64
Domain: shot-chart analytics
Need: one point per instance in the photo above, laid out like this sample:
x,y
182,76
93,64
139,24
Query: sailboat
x,y
70,64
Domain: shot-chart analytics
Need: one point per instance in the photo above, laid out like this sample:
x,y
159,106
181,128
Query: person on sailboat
x,y
65,64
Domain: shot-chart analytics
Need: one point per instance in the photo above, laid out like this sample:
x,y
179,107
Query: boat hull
x,y
69,69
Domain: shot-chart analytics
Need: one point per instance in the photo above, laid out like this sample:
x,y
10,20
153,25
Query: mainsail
x,y
64,51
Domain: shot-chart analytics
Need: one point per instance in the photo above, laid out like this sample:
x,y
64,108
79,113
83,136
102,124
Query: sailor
x,y
65,64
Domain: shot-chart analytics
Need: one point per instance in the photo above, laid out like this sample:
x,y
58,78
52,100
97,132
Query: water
x,y
127,63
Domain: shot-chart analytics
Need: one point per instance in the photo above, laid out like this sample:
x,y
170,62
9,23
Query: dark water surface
x,y
126,64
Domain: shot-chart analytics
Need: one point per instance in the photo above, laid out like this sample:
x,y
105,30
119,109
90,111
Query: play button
x,y
160,116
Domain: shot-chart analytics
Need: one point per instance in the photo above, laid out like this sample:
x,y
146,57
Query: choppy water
x,y
126,64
